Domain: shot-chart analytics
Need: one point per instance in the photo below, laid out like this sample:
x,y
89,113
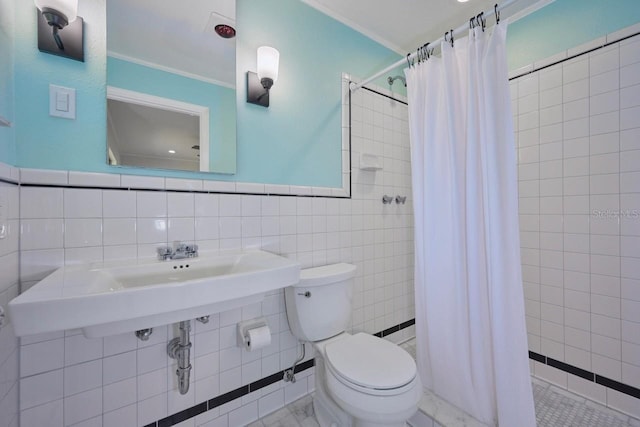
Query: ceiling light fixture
x,y
172,151
225,31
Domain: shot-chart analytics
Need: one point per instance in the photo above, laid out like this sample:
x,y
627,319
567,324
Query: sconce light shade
x,y
60,29
268,59
259,84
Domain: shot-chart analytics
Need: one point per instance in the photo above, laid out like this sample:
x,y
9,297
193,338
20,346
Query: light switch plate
x,y
62,102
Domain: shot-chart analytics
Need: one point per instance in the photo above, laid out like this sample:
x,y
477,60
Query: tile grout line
x,y
239,392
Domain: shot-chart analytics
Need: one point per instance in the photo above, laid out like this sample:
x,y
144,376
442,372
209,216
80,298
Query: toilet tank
x,y
319,305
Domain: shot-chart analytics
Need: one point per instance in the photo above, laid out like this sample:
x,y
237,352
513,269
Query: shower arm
x,y
390,80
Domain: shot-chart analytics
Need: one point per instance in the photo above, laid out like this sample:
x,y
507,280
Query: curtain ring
x,y
497,13
481,20
471,24
448,39
409,64
426,49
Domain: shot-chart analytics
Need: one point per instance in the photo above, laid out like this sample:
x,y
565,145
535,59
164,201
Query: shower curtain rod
x,y
355,86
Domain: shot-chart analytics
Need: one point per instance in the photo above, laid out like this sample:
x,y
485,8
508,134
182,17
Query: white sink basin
x,y
110,298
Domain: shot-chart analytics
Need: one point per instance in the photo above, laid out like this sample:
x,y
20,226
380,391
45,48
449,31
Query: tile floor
x,y
297,414
554,408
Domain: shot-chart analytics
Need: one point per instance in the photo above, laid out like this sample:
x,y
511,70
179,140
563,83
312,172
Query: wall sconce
x,y
60,29
259,84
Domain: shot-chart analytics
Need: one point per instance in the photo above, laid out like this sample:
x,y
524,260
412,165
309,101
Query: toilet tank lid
x,y
318,276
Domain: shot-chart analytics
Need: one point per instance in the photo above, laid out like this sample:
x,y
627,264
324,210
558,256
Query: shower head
x,y
392,79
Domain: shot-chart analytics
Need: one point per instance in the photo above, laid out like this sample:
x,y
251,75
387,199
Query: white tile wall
x,y
580,215
68,379
9,357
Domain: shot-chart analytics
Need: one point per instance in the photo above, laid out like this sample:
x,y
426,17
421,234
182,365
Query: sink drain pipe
x,y
179,349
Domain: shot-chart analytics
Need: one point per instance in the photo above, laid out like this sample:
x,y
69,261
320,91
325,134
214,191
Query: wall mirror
x,y
182,54
153,132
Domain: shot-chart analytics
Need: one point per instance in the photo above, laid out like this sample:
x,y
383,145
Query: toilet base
x,y
329,413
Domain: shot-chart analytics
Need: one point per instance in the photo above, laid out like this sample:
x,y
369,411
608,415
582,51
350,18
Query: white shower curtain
x,y
470,325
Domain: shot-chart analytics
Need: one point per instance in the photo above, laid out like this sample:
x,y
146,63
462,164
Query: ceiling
x,y
149,132
178,38
174,36
401,25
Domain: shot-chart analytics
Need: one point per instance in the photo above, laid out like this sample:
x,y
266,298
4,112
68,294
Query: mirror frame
x,y
146,100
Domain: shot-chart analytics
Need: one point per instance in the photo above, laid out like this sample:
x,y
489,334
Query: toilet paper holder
x,y
245,326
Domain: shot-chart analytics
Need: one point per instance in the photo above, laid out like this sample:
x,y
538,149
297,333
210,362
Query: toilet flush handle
x,y
305,294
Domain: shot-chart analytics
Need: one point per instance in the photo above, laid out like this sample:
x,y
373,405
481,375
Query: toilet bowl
x,y
361,380
372,379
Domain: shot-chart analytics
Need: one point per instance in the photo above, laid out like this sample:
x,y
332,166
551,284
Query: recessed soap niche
x,y
370,162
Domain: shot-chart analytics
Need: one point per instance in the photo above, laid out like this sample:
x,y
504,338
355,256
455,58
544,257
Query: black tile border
x,y
589,376
538,357
8,181
278,376
574,370
394,329
618,386
350,196
381,94
167,190
568,58
202,407
182,415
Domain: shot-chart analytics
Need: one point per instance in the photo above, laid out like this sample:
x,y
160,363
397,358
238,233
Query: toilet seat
x,y
370,364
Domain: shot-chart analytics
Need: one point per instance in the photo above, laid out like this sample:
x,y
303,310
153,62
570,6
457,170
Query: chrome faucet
x,y
179,251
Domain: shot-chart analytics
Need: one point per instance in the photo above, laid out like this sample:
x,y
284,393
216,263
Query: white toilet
x,y
361,380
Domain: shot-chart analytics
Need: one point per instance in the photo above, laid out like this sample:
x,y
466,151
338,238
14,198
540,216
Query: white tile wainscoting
x,y
9,353
578,135
66,379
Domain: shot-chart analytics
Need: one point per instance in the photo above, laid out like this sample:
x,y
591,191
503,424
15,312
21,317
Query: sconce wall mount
x,y
256,92
60,30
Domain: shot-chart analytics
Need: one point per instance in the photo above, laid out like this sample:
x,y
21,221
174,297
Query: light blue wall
x,y
221,102
298,138
7,134
564,24
54,143
296,141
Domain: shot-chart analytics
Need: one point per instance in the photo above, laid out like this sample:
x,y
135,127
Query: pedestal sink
x,y
110,298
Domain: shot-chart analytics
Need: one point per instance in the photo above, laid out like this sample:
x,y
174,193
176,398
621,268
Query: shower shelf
x,y
370,162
